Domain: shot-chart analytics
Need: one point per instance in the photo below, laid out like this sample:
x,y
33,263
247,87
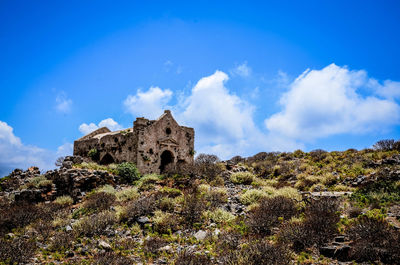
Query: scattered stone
x,y
68,228
104,245
143,220
167,248
200,235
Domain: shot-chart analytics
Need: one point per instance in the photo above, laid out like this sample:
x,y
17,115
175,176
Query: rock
x,y
217,232
67,164
104,245
143,220
339,239
340,253
167,248
68,228
200,235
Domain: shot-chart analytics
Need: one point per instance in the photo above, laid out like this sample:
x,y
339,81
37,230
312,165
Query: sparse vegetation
x,y
272,208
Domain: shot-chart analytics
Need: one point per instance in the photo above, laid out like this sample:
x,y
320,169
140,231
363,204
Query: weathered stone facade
x,y
150,144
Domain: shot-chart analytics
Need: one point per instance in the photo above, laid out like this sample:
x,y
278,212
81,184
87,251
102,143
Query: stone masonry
x,y
151,144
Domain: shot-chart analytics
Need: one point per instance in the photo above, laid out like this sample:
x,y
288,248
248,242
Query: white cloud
x,y
389,89
63,103
14,154
242,70
326,102
149,104
85,128
223,122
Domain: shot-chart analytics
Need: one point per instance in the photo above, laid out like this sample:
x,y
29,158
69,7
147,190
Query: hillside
x,y
273,208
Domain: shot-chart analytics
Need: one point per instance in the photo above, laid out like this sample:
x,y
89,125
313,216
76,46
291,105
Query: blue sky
x,y
249,76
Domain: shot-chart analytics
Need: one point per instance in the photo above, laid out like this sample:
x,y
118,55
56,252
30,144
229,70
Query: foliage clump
x,y
128,172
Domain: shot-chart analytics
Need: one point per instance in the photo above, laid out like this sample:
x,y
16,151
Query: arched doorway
x,y
107,159
166,158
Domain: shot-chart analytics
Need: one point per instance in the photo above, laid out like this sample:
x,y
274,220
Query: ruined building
x,y
150,144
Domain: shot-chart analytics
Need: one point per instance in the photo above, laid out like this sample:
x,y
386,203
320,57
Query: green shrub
x,y
170,192
95,224
92,153
216,197
220,216
128,172
252,196
165,223
37,182
107,189
147,182
64,200
242,178
127,194
166,204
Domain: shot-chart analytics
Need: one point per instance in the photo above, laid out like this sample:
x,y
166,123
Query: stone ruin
x,y
151,145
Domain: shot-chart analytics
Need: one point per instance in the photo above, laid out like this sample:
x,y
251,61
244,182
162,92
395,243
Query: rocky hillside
x,y
273,208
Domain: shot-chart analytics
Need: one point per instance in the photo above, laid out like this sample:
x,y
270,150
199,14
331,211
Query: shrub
x,y
95,224
220,216
37,182
128,172
152,244
111,258
216,197
228,241
170,192
322,216
107,189
189,257
268,214
16,251
127,194
140,207
354,211
288,192
258,252
206,166
386,145
166,204
148,181
100,201
165,223
93,154
296,234
64,200
318,227
373,239
252,196
306,181
61,241
318,155
192,208
17,215
242,178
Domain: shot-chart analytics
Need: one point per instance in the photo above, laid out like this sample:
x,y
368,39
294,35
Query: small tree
x,y
59,161
384,145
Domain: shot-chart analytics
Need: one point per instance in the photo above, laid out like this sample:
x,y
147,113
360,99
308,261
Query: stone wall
x,y
150,144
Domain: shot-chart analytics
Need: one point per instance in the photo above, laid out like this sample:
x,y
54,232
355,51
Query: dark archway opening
x,y
107,159
166,158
